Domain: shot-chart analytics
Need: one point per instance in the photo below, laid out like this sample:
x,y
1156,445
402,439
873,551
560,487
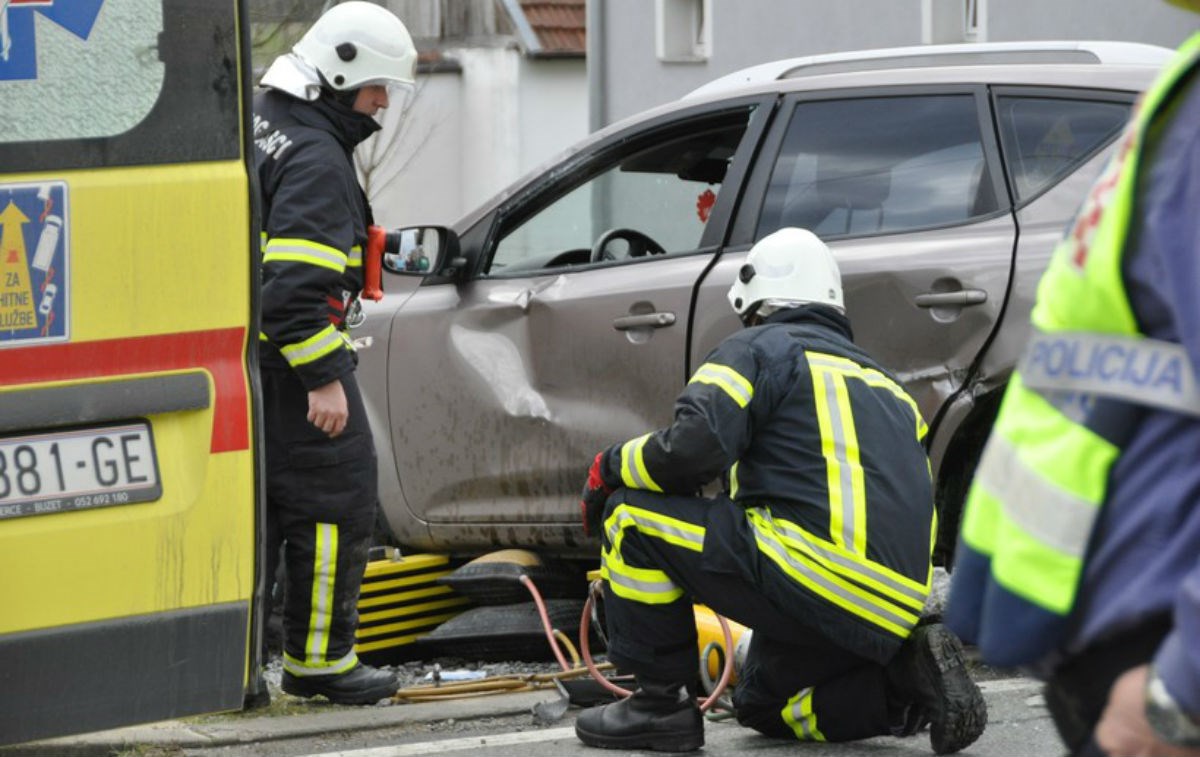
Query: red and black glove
x,y
595,494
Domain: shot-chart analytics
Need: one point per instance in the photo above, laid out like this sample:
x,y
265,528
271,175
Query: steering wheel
x,y
640,245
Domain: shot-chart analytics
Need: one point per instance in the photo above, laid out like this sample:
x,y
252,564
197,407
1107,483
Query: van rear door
x,y
128,484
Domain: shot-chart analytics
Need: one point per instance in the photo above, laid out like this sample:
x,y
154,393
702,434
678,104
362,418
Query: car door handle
x,y
649,320
961,298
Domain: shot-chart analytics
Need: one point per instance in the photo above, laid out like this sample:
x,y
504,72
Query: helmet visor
x,y
400,93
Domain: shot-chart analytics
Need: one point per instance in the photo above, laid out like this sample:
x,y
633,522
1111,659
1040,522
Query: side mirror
x,y
422,251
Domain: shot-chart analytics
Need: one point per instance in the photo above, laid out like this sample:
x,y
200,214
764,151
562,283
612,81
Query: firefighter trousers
x,y
321,501
656,561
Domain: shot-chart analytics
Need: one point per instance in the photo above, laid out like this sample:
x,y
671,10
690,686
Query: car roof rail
x,y
923,56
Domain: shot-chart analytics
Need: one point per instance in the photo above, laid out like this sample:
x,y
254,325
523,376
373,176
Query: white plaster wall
x,y
552,108
468,135
490,106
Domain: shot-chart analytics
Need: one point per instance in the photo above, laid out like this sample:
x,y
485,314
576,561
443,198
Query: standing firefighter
x,y
319,102
821,545
1080,550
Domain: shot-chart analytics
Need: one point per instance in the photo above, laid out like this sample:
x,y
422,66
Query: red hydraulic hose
x,y
541,607
586,652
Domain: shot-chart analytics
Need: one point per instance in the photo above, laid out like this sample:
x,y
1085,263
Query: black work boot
x,y
361,684
929,673
660,717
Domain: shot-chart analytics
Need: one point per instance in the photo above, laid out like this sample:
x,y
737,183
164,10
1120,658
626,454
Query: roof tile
x,y
561,25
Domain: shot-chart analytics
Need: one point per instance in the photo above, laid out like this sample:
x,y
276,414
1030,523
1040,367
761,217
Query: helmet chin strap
x,y
750,315
344,97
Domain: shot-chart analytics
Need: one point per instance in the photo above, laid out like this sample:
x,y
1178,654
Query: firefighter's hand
x,y
1123,730
327,408
595,494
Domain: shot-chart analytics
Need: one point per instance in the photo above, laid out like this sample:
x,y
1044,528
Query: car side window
x,y
653,200
1045,138
878,165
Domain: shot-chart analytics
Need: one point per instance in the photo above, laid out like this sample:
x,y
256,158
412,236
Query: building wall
x,y
743,34
469,134
1150,21
552,108
748,33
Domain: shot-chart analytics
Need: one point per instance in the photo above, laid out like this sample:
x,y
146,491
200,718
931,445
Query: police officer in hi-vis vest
x,y
1080,549
821,543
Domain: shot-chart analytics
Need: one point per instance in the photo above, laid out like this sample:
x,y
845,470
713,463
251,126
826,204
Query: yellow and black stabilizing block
x,y
401,602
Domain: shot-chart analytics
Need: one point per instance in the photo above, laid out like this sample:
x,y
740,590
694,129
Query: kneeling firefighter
x,y
821,543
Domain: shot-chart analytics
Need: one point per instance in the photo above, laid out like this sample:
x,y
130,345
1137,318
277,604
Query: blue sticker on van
x,y
18,43
34,263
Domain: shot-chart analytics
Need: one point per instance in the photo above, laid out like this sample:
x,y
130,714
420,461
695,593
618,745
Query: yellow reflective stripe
x,y
262,241
856,567
843,462
1046,512
633,466
733,383
671,530
1037,491
315,347
1024,566
798,713
355,258
831,587
733,481
263,337
1036,497
872,378
645,585
323,582
329,667
305,251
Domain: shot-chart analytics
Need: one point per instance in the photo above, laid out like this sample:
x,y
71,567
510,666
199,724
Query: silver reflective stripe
x,y
845,496
324,577
1046,512
863,569
624,516
326,340
340,665
300,251
1143,371
730,381
802,719
615,576
877,608
633,465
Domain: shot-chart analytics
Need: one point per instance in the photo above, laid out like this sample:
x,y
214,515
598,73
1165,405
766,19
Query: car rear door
x,y
128,484
905,185
505,385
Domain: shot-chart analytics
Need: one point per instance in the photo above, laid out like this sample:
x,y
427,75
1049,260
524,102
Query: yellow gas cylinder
x,y
708,632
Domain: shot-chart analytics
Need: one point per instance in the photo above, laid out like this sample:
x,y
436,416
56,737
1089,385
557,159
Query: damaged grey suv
x,y
567,313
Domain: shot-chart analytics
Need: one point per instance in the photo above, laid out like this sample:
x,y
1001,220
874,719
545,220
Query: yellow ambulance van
x,y
129,491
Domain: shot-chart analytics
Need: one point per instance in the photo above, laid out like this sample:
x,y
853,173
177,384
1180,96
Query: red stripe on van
x,y
218,351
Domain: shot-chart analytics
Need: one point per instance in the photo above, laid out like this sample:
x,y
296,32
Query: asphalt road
x,y
1018,725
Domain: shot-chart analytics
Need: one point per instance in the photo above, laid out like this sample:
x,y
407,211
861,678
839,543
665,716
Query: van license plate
x,y
77,470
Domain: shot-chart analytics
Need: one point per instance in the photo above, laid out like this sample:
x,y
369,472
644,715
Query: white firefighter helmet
x,y
787,268
355,44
